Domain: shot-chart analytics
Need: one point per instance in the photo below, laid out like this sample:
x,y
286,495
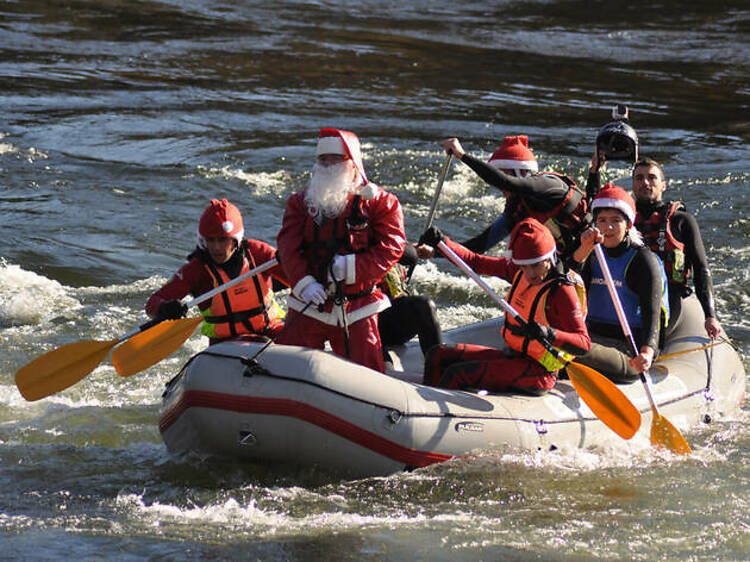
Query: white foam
x,y
27,298
249,517
262,183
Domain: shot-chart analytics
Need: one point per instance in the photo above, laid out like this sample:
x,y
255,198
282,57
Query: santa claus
x,y
338,239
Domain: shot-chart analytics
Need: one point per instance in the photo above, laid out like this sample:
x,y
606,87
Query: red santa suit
x,y
369,233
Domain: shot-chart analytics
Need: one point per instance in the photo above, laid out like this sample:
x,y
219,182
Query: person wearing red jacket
x,y
543,293
222,254
338,239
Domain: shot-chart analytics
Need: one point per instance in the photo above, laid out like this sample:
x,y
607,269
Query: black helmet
x,y
618,140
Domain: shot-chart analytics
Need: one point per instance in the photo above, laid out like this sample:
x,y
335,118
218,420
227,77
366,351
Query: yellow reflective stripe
x,y
552,363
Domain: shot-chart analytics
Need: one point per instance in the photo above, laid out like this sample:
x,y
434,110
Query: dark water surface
x,y
120,120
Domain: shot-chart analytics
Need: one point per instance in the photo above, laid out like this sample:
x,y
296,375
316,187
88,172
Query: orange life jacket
x,y
530,303
247,308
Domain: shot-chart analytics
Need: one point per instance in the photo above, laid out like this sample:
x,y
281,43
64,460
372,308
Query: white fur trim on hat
x,y
237,237
330,145
619,204
530,165
548,256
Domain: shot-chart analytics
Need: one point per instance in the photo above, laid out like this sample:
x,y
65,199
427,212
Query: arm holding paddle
x,y
144,346
603,398
590,239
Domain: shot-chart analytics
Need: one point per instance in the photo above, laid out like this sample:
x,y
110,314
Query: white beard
x,y
329,189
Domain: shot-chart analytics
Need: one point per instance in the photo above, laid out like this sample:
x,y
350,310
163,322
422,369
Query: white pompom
x,y
369,191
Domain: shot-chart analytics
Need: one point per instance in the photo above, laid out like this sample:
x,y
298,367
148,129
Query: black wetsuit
x,y
410,315
685,229
540,193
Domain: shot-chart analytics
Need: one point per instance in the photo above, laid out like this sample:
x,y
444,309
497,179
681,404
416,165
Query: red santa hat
x,y
615,197
531,242
345,143
221,219
515,154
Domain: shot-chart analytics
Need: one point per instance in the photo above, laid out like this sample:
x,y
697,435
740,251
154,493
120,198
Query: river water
x,y
120,120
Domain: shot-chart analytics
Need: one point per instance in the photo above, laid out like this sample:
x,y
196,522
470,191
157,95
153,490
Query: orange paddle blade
x,y
151,346
608,402
60,368
664,434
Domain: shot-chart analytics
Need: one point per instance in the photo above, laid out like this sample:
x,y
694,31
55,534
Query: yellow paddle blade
x,y
664,434
152,345
608,402
60,368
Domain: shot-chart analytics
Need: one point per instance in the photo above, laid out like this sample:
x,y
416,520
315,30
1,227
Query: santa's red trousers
x,y
474,366
364,339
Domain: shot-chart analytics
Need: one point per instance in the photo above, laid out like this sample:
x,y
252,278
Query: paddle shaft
x,y
693,350
433,205
229,284
438,189
202,298
463,266
601,258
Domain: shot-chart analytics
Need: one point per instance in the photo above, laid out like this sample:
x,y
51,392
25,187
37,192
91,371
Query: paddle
x,y
438,189
663,433
433,205
686,351
64,366
604,399
150,347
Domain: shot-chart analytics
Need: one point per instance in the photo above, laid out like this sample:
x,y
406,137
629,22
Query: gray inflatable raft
x,y
305,407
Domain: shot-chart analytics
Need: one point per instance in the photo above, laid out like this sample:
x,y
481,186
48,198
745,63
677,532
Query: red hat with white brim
x,y
531,242
615,197
344,143
515,154
221,219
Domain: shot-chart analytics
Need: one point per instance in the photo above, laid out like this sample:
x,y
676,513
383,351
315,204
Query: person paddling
x,y
552,199
641,283
222,254
543,292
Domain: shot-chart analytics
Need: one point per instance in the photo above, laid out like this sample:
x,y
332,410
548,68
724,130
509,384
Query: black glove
x,y
533,331
171,310
431,237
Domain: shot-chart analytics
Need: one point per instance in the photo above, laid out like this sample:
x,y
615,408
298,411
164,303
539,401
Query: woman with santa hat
x,y
552,199
338,239
541,291
640,282
223,253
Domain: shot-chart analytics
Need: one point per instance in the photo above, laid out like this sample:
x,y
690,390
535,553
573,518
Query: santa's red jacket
x,y
370,233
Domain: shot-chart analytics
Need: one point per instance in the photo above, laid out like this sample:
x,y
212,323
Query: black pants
x,y
409,316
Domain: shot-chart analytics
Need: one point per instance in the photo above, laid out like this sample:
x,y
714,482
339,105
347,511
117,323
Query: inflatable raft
x,y
307,407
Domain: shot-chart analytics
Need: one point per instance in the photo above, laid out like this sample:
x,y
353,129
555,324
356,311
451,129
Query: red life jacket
x,y
658,236
247,308
530,302
348,233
